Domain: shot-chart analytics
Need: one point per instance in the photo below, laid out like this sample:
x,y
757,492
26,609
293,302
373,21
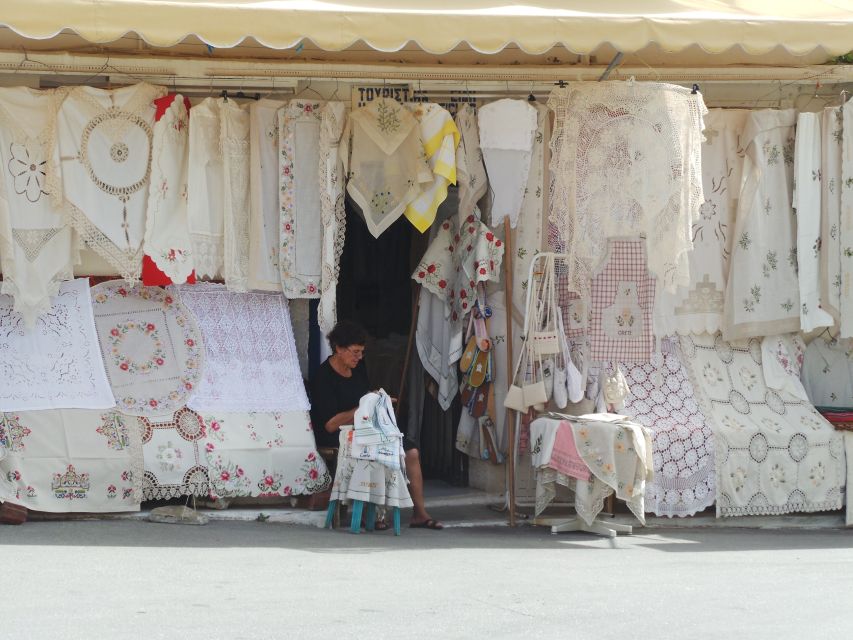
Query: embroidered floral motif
x,y
114,429
12,433
70,485
119,334
28,171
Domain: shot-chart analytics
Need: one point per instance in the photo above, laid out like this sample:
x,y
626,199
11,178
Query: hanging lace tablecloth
x,y
832,136
699,307
101,167
264,214
384,161
775,453
56,363
205,179
633,151
662,399
262,455
367,480
152,348
762,294
174,455
828,372
807,207
845,302
35,242
301,224
167,236
251,362
332,212
622,304
75,460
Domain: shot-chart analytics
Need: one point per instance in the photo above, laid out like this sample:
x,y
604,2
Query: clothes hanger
x,y
334,95
307,89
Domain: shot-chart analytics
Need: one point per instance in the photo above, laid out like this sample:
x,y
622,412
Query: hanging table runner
x,y
56,364
151,346
75,460
845,303
101,167
301,225
775,453
264,212
832,136
662,399
384,161
35,241
168,255
762,294
622,303
699,307
262,455
174,455
633,151
251,362
332,212
234,141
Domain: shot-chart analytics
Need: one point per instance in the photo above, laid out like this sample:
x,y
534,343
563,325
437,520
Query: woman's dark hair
x,y
345,334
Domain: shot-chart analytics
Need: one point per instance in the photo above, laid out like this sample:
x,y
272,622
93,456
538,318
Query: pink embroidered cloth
x,y
565,457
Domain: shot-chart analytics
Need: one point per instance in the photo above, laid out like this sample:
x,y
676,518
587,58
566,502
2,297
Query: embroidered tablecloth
x,y
74,460
775,453
367,480
151,346
57,363
174,455
251,362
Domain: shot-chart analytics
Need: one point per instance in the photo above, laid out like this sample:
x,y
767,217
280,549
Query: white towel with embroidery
x,y
376,436
845,304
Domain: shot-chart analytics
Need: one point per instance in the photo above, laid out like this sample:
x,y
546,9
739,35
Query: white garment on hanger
x,y
807,204
507,129
35,241
234,141
264,218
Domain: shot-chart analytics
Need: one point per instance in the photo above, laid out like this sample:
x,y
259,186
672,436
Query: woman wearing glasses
x,y
337,388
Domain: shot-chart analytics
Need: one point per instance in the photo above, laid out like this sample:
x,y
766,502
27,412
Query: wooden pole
x,y
416,305
510,417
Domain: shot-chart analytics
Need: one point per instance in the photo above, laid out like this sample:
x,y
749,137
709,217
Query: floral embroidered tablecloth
x,y
174,455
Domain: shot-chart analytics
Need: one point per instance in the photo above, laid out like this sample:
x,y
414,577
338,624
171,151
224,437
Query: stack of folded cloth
x,y
839,417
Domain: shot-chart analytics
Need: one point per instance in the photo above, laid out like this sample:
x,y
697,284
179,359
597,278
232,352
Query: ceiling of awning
x,y
652,32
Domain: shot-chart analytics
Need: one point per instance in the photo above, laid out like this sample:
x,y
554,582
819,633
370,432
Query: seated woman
x,y
336,389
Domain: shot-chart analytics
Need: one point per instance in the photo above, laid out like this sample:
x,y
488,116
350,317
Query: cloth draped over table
x,y
56,363
507,130
168,255
37,247
384,160
174,455
699,306
828,372
634,151
301,224
100,169
152,349
775,453
806,205
71,460
762,294
663,400
251,362
264,202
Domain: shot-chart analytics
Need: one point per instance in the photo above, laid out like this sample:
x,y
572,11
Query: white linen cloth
x,y
762,294
782,361
205,180
167,236
827,373
301,224
264,207
384,161
845,303
663,400
375,433
101,166
775,453
174,456
699,306
251,362
507,128
262,455
832,136
440,138
807,206
56,363
367,480
72,460
234,142
633,151
151,346
35,241
332,212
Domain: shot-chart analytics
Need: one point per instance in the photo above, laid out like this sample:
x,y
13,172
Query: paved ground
x,y
133,579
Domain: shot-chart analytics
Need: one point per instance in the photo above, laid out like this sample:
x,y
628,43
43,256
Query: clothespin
x,y
695,89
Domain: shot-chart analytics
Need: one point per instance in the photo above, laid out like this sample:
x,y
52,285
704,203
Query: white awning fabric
x,y
437,26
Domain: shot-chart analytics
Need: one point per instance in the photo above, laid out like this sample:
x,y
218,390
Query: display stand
x,y
597,527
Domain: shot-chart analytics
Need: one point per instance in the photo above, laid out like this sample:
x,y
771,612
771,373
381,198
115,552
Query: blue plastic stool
x,y
357,510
